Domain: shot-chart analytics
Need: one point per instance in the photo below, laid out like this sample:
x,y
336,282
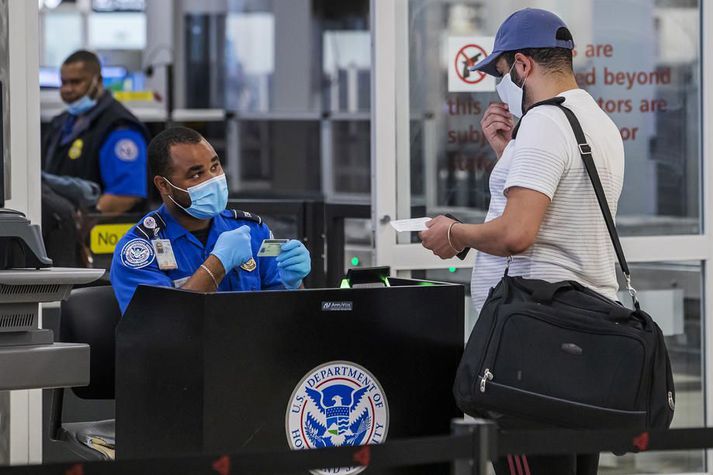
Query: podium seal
x,y
337,404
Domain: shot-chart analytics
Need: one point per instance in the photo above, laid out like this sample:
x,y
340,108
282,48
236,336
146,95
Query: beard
x,y
526,102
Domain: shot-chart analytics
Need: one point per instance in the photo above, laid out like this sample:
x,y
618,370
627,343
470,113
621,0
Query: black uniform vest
x,y
78,154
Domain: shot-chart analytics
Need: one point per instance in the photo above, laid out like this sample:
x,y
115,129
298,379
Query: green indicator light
x,y
452,269
355,261
345,284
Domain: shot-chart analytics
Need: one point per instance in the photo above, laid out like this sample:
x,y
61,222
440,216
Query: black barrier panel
x,y
584,442
396,453
211,373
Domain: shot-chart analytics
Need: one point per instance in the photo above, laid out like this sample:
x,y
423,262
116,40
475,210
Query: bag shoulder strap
x,y
585,151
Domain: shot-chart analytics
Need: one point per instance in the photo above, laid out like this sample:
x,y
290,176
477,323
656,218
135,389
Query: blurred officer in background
x,y
94,159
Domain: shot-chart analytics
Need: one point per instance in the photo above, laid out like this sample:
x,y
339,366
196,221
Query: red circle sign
x,y
468,56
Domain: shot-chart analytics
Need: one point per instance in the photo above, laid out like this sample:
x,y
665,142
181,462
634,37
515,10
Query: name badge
x,y
164,254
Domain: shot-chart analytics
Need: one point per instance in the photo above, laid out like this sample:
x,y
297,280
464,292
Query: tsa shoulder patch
x,y
243,215
137,253
126,150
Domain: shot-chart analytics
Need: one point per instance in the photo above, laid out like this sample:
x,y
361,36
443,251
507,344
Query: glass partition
x,y
62,36
297,80
641,65
671,292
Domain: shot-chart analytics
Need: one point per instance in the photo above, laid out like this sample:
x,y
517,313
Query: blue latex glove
x,y
233,248
293,264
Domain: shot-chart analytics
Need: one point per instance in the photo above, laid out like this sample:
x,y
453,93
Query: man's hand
x,y
233,248
293,264
497,125
435,238
114,204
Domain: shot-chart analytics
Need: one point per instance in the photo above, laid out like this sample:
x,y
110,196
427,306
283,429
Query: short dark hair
x,y
552,59
159,150
90,59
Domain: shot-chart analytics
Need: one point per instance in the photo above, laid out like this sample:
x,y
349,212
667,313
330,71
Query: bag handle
x,y
545,292
585,151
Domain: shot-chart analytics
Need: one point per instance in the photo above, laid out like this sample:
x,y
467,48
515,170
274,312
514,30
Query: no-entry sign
x,y
464,52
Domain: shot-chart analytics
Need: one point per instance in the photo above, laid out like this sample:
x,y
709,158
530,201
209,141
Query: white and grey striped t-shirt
x,y
573,242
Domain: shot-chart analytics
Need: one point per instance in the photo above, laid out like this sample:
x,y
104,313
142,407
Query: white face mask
x,y
511,94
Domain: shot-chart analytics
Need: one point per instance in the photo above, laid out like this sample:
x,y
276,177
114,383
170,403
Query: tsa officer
x,y
97,138
192,242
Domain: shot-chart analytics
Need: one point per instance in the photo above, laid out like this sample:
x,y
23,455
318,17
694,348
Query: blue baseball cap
x,y
526,28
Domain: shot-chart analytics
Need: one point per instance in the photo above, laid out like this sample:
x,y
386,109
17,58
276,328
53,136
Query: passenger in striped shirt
x,y
543,211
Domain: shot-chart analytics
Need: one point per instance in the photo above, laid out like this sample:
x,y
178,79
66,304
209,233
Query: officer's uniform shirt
x,y
122,162
122,159
135,262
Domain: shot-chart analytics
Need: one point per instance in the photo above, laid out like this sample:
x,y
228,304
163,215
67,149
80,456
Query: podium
x,y
215,373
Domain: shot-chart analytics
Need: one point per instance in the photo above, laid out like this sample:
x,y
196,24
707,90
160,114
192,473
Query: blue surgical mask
x,y
510,93
208,199
81,105
84,103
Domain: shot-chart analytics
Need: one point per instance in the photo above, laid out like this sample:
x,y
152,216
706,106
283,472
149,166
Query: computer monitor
x,y
49,77
113,77
369,277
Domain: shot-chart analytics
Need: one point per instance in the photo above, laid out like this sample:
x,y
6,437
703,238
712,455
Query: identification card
x,y
164,254
271,247
413,225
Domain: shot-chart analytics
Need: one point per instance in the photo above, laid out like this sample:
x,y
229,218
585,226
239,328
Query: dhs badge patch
x,y
137,254
126,150
337,404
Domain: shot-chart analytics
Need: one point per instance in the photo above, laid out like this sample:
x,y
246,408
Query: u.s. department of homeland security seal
x,y
137,253
337,404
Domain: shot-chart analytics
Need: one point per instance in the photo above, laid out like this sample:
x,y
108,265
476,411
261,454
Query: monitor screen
x,y
49,78
113,75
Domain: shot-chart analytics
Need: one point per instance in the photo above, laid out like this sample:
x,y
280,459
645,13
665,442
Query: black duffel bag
x,y
560,354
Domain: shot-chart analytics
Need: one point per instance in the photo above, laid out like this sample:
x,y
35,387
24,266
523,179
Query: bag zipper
x,y
566,322
488,375
493,324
